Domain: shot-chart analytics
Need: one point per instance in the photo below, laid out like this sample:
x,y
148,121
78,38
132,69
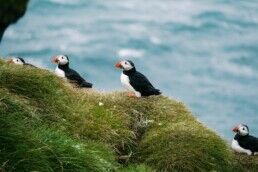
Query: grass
x,y
47,125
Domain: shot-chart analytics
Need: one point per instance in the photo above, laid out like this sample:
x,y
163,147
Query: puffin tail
x,y
154,91
29,65
86,84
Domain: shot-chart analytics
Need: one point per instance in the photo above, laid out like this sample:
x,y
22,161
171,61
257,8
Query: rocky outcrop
x,y
10,12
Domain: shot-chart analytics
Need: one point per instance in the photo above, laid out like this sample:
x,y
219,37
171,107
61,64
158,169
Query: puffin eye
x,y
126,63
62,57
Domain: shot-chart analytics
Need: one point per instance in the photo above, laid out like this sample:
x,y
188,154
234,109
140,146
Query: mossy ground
x,y
48,125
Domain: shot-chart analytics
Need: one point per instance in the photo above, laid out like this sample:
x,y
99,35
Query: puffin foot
x,y
131,95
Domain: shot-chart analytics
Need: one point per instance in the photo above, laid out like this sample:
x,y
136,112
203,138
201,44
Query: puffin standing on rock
x,y
135,81
243,142
18,61
64,71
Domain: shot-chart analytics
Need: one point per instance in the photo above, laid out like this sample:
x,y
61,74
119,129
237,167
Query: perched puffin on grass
x,y
63,70
135,81
243,142
18,61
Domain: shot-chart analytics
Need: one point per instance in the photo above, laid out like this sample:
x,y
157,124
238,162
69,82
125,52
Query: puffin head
x,y
241,129
16,60
126,65
60,59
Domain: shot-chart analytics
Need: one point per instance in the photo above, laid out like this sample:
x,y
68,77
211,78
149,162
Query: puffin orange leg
x,y
131,95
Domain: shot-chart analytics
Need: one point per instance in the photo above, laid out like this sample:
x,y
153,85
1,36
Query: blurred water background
x,y
204,53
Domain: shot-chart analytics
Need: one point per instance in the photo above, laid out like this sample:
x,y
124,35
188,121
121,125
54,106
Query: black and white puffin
x,y
63,70
243,142
18,61
134,81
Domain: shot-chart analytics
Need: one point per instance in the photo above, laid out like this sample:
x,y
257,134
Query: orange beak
x,y
235,130
118,65
55,60
9,61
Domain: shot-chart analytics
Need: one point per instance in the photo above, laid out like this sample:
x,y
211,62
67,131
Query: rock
x,y
10,12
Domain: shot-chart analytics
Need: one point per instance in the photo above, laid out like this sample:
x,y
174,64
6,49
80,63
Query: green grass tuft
x,y
137,168
47,125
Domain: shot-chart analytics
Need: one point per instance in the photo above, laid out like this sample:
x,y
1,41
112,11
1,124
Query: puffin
x,y
135,81
64,71
243,142
18,61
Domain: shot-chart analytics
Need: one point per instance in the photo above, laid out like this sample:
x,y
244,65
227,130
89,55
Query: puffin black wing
x,y
248,142
140,83
252,142
29,65
75,77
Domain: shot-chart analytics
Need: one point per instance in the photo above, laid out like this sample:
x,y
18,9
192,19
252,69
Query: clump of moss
x,y
28,144
48,125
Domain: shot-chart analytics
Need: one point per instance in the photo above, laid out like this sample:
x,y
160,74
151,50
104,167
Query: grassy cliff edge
x,y
47,125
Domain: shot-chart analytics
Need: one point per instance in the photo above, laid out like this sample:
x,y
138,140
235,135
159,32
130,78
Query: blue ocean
x,y
203,53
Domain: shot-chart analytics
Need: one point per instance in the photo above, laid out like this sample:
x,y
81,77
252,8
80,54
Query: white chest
x,y
237,148
126,82
59,72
